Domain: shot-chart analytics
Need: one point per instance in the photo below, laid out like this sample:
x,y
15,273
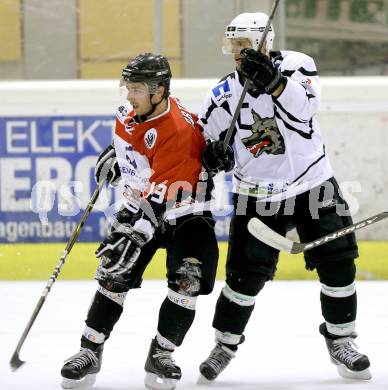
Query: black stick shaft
x,y
299,247
229,133
15,361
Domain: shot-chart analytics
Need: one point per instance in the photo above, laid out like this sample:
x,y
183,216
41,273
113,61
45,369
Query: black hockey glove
x,y
119,252
107,167
215,159
260,70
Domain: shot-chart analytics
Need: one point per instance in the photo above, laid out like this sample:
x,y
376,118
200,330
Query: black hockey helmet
x,y
152,69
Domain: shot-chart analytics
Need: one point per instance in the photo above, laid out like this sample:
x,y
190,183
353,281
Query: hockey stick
x,y
265,234
15,361
229,132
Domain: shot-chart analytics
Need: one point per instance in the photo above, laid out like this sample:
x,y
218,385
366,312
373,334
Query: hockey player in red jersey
x,y
157,153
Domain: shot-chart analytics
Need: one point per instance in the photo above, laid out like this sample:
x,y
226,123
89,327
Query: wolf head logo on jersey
x,y
265,137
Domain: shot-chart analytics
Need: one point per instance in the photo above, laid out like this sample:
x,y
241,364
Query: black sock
x,y
174,321
102,316
339,310
231,317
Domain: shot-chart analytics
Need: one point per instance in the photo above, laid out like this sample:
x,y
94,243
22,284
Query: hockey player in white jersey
x,y
282,175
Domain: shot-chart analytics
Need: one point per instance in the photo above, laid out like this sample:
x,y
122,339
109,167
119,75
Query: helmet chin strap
x,y
153,107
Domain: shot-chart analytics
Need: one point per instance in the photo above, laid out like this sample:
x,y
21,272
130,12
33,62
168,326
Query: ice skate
x,y
218,359
350,363
81,369
161,371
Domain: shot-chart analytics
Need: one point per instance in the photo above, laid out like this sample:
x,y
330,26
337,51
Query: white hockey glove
x,y
107,167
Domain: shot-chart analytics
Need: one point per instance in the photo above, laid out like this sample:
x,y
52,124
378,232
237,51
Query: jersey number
x,y
158,192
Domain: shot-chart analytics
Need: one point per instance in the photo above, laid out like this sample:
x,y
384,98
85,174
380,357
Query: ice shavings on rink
x,y
283,349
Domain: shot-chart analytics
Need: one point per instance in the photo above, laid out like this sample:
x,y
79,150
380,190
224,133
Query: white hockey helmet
x,y
250,26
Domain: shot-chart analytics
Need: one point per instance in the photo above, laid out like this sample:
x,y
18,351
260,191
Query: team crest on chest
x,y
265,137
150,138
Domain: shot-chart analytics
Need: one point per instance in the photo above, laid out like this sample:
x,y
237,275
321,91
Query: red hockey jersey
x,y
161,156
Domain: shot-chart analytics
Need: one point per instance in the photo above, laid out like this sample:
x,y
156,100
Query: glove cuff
x,y
274,84
144,227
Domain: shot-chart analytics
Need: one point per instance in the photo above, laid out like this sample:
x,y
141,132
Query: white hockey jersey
x,y
278,146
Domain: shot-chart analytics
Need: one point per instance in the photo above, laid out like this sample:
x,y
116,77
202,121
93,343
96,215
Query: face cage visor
x,y
151,87
235,45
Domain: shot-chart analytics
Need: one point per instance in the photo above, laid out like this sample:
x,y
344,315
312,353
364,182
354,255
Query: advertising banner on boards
x,y
47,178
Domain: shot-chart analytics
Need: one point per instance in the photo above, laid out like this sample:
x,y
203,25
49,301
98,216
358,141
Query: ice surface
x,y
283,350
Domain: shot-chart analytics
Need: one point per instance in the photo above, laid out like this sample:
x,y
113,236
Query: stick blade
x,y
15,361
263,233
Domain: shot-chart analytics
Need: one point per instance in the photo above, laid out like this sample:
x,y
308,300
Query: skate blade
x,y
154,382
88,381
349,374
203,381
